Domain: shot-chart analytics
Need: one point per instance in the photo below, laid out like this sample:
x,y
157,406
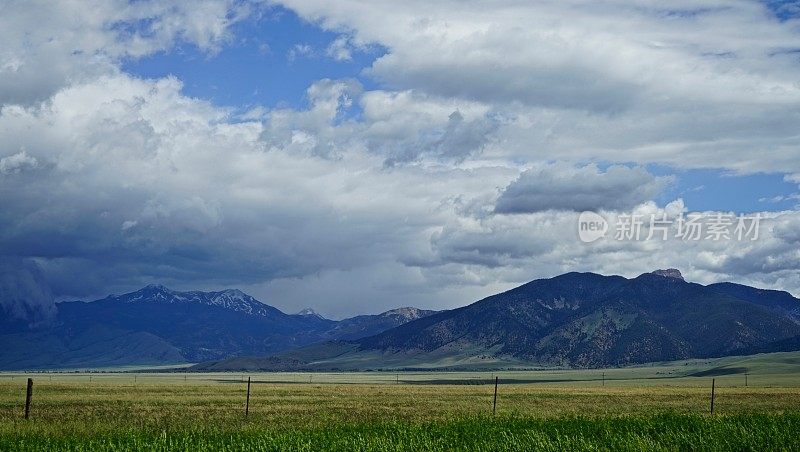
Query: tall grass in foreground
x,y
660,432
123,415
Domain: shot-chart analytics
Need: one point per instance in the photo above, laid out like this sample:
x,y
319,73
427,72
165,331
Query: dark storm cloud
x,y
561,187
24,292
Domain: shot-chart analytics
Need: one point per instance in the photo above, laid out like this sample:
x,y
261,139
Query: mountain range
x,y
156,325
576,320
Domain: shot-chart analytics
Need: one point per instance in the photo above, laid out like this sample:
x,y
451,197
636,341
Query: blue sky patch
x,y
273,59
715,189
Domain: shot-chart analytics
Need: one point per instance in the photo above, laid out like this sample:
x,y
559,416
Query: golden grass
x,y
68,407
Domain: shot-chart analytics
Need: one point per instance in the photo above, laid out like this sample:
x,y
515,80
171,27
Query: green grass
x,y
660,407
664,432
208,415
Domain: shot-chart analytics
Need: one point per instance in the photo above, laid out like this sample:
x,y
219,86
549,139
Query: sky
x,y
357,156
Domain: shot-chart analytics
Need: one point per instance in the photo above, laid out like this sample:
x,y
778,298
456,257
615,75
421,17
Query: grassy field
x,y
643,408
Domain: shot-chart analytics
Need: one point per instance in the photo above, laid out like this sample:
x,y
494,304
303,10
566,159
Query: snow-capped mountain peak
x,y
232,299
309,312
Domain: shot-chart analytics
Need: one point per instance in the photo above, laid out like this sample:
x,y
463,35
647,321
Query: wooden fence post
x,y
712,395
494,404
247,403
28,395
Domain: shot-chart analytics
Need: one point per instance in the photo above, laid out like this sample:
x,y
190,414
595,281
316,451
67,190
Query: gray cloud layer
x,y
670,82
563,187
